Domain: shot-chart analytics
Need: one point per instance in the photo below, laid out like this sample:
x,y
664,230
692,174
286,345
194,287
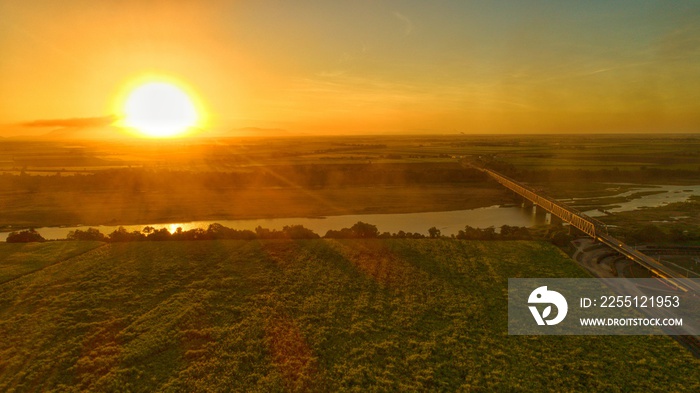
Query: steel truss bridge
x,y
588,225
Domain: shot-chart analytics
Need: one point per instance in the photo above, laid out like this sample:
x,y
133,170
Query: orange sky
x,y
361,66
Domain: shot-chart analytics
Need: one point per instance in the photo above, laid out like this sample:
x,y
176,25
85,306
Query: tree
x,y
363,230
265,233
299,232
345,233
433,232
122,235
506,231
28,236
119,235
159,235
471,233
91,234
488,233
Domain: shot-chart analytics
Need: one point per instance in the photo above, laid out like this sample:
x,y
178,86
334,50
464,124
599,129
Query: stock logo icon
x,y
542,296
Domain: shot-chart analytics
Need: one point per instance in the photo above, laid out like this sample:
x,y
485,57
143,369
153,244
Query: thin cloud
x,y
680,44
408,23
76,122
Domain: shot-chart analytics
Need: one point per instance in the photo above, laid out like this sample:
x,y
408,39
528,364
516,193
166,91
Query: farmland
x,y
320,315
20,259
52,183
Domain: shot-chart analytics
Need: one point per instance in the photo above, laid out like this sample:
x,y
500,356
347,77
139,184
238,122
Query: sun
x,y
159,109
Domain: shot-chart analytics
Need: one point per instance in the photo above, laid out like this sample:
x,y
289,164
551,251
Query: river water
x,y
449,222
668,194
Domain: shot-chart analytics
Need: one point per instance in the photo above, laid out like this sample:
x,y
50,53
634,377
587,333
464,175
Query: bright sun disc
x,y
159,109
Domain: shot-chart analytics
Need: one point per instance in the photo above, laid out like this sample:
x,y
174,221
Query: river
x,y
667,194
449,222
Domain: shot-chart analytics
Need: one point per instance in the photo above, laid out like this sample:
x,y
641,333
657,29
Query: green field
x,y
18,259
319,315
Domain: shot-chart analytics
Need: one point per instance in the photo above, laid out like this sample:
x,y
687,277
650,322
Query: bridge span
x,y
588,225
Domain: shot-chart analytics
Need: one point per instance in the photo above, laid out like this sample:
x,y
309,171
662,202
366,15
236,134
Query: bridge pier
x,y
538,215
552,219
540,212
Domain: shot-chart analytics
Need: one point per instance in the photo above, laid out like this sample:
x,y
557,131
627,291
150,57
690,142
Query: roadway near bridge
x,y
590,226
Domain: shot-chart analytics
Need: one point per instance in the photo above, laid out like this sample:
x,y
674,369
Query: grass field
x,y
18,259
319,315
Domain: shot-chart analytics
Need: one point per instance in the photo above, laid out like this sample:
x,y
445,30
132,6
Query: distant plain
x,y
50,183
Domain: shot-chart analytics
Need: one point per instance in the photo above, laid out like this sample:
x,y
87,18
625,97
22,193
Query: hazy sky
x,y
363,66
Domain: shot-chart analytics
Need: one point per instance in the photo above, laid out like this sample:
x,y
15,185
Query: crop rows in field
x,y
264,315
20,259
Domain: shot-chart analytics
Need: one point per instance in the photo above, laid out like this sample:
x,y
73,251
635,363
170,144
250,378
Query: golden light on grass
x,y
159,107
